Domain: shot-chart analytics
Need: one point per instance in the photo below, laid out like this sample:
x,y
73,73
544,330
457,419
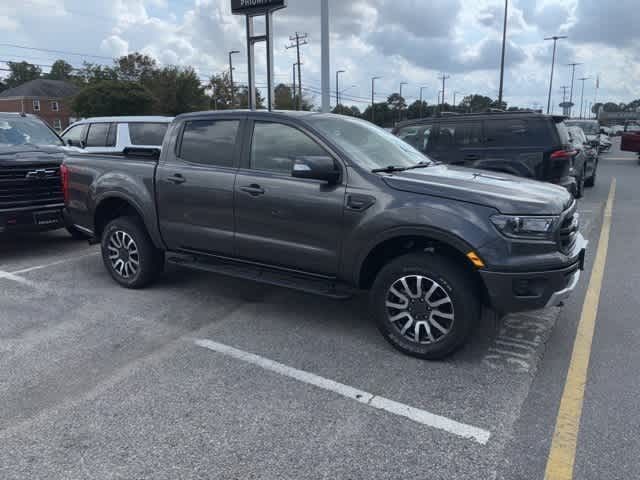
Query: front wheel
x,y
129,255
424,305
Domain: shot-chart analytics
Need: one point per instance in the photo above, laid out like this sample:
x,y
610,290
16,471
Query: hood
x,y
506,193
30,154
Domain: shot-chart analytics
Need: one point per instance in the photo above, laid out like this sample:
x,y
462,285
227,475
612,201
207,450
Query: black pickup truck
x,y
31,197
332,205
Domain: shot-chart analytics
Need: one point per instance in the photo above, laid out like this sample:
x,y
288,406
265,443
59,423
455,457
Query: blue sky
x,y
399,40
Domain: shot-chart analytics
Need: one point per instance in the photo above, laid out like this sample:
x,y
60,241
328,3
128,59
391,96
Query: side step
x,y
255,273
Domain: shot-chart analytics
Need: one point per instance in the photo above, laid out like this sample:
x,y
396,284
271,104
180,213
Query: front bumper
x,y
32,219
510,292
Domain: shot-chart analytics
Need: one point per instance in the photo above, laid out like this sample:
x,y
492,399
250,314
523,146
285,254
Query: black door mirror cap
x,y
316,168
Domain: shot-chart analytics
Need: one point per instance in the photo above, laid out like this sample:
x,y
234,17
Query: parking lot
x,y
203,376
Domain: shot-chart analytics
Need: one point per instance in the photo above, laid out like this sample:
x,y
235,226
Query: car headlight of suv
x,y
525,228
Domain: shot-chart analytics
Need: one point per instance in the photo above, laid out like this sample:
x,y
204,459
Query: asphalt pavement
x,y
98,382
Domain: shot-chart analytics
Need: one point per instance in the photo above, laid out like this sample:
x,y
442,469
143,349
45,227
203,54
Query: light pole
x,y
555,39
504,47
573,76
583,79
373,105
421,101
402,84
338,72
233,94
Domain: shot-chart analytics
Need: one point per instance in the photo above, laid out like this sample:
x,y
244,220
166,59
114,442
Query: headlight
x,y
537,228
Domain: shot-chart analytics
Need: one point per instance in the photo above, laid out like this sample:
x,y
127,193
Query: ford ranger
x,y
331,205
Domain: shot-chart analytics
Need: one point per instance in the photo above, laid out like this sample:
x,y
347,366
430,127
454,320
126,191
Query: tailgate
x,y
630,142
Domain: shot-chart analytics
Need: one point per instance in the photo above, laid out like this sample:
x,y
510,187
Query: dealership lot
x,y
101,382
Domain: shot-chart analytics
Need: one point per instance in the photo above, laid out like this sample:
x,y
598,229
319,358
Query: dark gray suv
x,y
331,205
526,144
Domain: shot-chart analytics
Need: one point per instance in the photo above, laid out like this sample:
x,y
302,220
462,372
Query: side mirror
x,y
83,144
316,168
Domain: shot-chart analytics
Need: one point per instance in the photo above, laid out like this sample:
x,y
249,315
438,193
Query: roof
x,y
127,119
259,113
475,116
41,87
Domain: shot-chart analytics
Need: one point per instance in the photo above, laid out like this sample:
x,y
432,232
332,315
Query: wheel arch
x,y
403,241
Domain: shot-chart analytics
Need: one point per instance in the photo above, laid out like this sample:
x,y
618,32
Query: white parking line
x,y
15,275
52,264
417,415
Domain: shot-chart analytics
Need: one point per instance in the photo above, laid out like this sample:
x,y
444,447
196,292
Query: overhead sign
x,y
256,7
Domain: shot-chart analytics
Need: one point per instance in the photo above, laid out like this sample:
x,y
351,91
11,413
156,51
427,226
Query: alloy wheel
x,y
123,254
420,309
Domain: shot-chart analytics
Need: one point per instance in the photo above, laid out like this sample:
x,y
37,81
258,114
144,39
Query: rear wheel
x,y
591,181
424,305
129,255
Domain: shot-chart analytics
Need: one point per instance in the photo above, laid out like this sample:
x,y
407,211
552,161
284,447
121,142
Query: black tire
x,y
150,260
76,234
591,181
580,183
453,281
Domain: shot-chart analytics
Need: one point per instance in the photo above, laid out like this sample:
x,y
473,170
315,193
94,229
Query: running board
x,y
303,283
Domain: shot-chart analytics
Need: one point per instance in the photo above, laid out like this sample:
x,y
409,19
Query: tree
x,y
221,92
177,91
91,73
284,97
383,114
633,106
476,103
111,97
135,67
60,70
611,107
242,98
414,110
3,86
352,111
21,72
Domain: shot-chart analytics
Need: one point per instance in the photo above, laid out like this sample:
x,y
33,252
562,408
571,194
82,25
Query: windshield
x,y
25,130
589,128
369,146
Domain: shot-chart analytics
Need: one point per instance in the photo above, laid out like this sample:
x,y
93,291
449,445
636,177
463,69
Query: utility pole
x,y
444,78
555,39
325,55
373,104
233,93
583,79
573,76
338,72
504,47
421,101
294,94
299,40
402,84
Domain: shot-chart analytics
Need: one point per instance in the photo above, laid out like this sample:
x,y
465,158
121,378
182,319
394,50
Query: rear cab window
x,y
147,133
209,142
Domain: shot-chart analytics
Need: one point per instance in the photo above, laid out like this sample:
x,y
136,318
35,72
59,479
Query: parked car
x,y
529,145
585,162
114,134
591,129
631,142
31,196
332,205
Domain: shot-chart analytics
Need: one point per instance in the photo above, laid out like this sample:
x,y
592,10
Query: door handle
x,y
472,156
176,179
254,190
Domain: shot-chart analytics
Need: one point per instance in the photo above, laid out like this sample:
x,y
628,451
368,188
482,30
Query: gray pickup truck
x,y
331,205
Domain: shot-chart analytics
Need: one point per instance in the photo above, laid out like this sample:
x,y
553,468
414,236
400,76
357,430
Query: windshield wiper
x,y
393,168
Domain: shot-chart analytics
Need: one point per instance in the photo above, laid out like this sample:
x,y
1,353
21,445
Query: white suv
x,y
114,134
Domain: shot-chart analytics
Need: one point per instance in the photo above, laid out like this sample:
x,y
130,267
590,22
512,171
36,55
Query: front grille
x,y
569,228
30,185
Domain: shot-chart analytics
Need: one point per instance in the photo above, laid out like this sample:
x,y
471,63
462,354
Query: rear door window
x,y
417,136
453,136
97,136
509,133
75,135
147,133
563,133
210,142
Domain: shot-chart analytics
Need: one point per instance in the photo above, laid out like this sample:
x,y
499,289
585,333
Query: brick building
x,y
48,99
